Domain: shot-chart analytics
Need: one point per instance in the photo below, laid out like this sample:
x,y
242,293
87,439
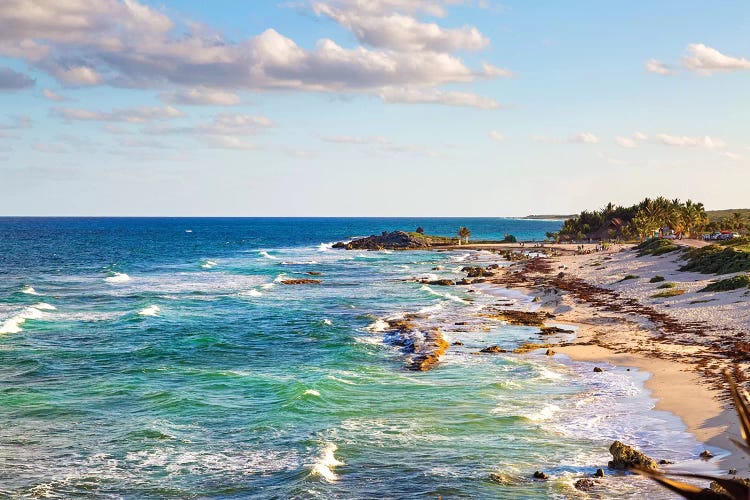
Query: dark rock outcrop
x,y
493,349
476,271
303,281
598,370
396,240
584,484
551,330
540,475
439,282
599,473
422,348
624,457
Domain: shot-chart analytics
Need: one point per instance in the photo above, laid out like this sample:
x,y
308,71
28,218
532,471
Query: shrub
x,y
737,282
666,285
630,277
717,259
509,238
667,293
656,246
656,279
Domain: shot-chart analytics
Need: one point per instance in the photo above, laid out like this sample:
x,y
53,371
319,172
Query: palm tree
x,y
463,234
737,221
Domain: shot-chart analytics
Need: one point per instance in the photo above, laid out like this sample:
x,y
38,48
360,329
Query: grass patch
x,y
666,285
629,277
656,246
656,279
728,257
726,285
667,293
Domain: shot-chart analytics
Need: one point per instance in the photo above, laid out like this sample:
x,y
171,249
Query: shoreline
x,y
626,339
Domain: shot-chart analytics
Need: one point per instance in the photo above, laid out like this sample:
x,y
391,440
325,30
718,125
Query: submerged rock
x,y
540,475
599,473
493,349
624,457
598,370
551,330
503,479
302,281
584,484
439,282
705,454
423,349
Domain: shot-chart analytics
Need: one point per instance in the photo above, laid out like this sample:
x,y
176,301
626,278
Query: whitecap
x,y
208,264
43,306
430,309
188,230
311,392
323,466
267,255
13,325
545,413
378,325
267,286
459,258
281,277
29,290
149,311
252,293
303,263
324,247
327,322
117,278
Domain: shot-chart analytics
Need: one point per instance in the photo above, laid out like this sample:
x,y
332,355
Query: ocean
x,y
164,358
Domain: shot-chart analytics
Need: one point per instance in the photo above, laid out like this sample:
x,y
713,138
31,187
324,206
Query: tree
x,y
463,234
737,221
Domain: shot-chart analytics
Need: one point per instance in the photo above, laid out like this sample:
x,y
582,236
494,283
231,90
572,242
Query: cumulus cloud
x,y
126,43
706,60
496,136
53,96
625,142
584,138
658,67
705,141
451,98
131,115
202,96
13,80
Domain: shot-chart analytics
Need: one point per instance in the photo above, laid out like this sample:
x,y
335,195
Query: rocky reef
x,y
422,348
396,240
625,457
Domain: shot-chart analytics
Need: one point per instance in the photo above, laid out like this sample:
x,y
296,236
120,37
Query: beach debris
x,y
493,349
599,473
625,457
706,455
584,484
540,475
301,281
598,370
515,317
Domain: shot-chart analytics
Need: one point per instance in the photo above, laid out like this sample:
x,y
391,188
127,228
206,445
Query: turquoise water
x,y
152,358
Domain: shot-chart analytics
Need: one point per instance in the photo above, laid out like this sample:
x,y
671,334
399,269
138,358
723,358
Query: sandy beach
x,y
684,342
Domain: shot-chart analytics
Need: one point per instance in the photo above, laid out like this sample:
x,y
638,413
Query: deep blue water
x,y
152,358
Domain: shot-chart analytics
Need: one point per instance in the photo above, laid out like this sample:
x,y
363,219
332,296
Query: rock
x,y
314,273
528,347
423,349
551,330
705,454
300,282
599,473
503,479
515,317
457,343
665,462
717,488
476,271
440,282
493,266
732,472
624,457
597,370
493,349
550,352
584,484
540,475
464,282
397,240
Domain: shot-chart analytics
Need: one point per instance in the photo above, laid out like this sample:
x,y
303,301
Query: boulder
x,y
303,281
597,370
550,352
396,240
705,454
503,479
599,473
493,349
439,282
540,475
476,271
584,484
624,457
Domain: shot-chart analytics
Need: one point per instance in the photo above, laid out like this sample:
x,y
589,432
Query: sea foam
x,y
208,264
267,255
117,278
29,290
323,466
149,311
13,324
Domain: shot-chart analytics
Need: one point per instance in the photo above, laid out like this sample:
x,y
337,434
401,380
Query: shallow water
x,y
138,360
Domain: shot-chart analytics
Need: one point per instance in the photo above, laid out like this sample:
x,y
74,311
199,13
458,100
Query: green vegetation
x,y
729,220
433,240
656,279
734,283
509,238
638,221
630,277
667,293
464,233
666,285
730,256
656,246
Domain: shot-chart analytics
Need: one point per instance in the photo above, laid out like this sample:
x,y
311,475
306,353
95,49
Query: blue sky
x,y
377,107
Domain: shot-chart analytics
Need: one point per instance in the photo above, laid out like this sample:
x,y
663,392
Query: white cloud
x,y
658,67
496,136
202,96
230,142
685,141
626,142
78,76
706,60
584,138
13,80
640,136
731,156
53,96
131,115
451,98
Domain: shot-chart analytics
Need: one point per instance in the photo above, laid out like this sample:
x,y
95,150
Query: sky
x,y
370,107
